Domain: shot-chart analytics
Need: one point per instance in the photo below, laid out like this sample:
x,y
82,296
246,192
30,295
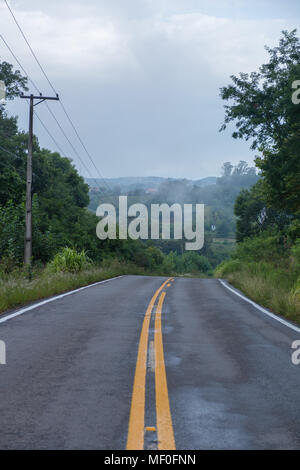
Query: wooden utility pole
x,y
28,221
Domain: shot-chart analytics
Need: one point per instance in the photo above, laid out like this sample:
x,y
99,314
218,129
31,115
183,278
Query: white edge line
x,y
39,304
270,314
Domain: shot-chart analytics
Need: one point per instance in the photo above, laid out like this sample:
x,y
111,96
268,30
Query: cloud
x,y
74,39
68,44
148,72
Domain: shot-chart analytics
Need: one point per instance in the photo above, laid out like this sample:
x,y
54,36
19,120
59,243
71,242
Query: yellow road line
x,y
164,424
136,428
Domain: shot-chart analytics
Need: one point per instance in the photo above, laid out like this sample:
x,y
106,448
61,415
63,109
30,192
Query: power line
x,y
27,42
54,90
50,135
83,145
51,112
36,88
74,150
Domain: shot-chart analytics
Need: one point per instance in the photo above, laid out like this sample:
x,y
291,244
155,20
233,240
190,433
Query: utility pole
x,y
28,221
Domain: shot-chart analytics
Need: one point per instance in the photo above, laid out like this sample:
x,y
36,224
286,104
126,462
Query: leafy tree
x,y
281,174
261,107
229,185
262,110
14,82
13,144
253,214
227,169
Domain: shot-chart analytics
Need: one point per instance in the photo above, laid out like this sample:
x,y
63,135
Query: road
x,y
149,362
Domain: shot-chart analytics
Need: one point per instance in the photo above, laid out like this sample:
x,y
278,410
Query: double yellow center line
x,y
136,429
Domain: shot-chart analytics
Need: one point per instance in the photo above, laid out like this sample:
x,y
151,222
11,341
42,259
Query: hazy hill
x,y
131,183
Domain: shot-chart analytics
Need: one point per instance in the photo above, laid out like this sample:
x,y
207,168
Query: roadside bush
x,y
69,260
169,263
267,247
191,262
228,267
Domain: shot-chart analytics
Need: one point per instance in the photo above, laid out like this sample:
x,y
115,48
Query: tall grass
x,y
274,284
16,289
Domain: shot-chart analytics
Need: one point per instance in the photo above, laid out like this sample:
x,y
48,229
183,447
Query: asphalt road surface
x,y
149,362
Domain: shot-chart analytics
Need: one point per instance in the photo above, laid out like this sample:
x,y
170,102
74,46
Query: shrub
x,y
228,267
192,261
264,247
69,260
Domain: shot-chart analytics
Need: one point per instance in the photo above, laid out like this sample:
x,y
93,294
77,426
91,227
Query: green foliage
x,y
267,246
14,82
254,216
296,251
263,111
169,263
69,260
15,289
228,267
154,256
60,198
190,262
267,269
296,290
293,230
281,172
12,232
262,100
218,197
266,261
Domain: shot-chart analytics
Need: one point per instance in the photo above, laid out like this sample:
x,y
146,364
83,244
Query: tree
x,y
263,111
281,173
227,169
13,144
14,82
253,214
261,106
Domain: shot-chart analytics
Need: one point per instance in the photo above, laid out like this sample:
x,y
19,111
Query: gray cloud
x,y
141,78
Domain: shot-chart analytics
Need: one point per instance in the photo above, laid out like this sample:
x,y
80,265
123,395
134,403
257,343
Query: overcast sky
x,y
141,78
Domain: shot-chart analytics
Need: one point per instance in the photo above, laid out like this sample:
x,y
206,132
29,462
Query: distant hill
x,y
130,183
206,181
127,183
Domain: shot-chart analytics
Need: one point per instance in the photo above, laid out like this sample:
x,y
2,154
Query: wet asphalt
x,y
70,365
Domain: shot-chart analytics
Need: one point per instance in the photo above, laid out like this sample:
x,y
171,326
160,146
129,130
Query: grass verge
x,y
16,290
271,286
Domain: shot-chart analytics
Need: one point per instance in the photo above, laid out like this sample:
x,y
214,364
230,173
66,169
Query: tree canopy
x,y
262,109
